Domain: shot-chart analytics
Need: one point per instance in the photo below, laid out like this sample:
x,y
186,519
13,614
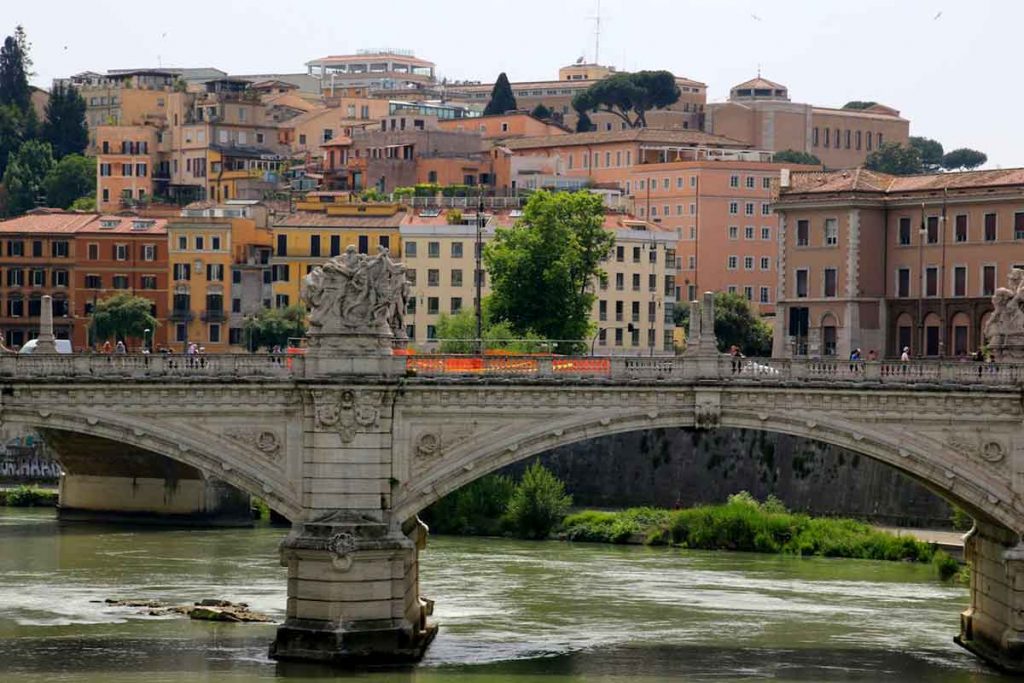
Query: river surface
x,y
509,611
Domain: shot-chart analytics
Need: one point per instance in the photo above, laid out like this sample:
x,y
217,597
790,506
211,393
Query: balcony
x,y
181,315
214,316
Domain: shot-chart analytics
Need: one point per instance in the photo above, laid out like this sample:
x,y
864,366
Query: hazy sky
x,y
953,76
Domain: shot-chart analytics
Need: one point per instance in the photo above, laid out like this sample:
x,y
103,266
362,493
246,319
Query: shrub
x,y
945,565
29,496
538,505
474,510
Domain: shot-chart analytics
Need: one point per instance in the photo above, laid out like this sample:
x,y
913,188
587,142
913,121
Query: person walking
x,y
905,356
120,348
106,347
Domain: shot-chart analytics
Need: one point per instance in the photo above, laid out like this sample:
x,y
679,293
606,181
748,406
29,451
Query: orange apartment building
x,y
879,262
131,166
504,126
760,114
115,254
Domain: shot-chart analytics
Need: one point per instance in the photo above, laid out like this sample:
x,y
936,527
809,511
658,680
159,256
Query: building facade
x,y
882,263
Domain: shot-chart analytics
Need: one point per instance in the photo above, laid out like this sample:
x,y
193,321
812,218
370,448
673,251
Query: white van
x,y
63,346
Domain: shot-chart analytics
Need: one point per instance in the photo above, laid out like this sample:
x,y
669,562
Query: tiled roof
x,y
646,135
313,219
759,84
64,222
864,180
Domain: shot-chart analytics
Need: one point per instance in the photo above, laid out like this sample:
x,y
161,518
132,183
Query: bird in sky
x,y
937,16
755,17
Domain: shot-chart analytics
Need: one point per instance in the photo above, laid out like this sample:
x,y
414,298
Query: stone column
x,y
993,626
45,340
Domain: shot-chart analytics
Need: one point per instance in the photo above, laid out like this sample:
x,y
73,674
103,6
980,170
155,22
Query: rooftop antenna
x,y
597,34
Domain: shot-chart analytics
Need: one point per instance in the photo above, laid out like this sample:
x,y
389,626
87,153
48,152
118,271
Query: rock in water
x,y
212,614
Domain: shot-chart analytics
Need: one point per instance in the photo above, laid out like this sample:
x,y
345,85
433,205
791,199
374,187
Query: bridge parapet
x,y
102,366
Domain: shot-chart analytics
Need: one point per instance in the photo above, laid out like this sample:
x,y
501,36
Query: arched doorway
x,y
961,343
933,341
829,335
904,334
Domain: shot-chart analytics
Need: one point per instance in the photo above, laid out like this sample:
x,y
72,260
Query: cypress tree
x,y
502,99
14,87
65,127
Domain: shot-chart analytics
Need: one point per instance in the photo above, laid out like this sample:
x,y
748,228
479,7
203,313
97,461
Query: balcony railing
x,y
182,315
214,315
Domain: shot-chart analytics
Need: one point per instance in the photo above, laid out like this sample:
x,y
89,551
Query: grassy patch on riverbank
x,y
28,496
744,524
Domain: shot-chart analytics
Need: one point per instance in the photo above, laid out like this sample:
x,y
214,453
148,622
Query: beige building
x,y
760,113
633,310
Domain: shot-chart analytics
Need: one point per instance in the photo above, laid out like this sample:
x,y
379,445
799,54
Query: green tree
x,y
629,95
583,123
539,503
543,269
14,66
72,178
735,324
541,112
930,152
963,159
65,127
895,159
23,178
457,333
502,99
86,204
274,327
859,104
12,133
791,156
122,317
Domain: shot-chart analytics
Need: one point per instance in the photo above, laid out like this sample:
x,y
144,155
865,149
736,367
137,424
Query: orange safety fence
x,y
582,366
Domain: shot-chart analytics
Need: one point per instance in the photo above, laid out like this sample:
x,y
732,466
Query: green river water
x,y
509,611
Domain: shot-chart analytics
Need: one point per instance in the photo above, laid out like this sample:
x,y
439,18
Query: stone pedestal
x,y
45,341
353,593
993,626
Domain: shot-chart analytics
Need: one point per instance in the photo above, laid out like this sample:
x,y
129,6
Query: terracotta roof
x,y
759,84
864,180
63,222
647,135
313,219
340,141
292,101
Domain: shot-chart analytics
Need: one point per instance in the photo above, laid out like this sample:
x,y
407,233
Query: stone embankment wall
x,y
678,467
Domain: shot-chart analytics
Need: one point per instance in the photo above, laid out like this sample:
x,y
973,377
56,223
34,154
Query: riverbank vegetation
x,y
536,507
26,496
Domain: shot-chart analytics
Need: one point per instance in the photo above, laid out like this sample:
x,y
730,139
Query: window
x,y
37,248
456,304
988,280
748,292
618,336
933,229
766,209
748,232
363,244
990,227
282,245
59,249
433,277
847,138
734,208
149,252
801,283
148,282
636,282
181,271
214,333
748,263
732,262
120,282
765,295
868,138
734,181
830,282
858,138
410,249
748,208
802,232
618,311
94,251
602,310
831,232
766,233
433,305
931,281
960,281
960,227
734,232
384,241
93,282
636,254
120,252
814,135
15,307
314,245
903,282
904,231
215,272
766,263
620,281
634,312
750,182
37,277
1018,226
434,249
60,278
15,248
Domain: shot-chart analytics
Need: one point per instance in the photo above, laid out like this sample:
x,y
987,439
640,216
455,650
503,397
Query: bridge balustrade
x,y
142,366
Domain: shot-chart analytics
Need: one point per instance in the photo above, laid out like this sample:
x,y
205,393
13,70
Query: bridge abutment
x,y
993,626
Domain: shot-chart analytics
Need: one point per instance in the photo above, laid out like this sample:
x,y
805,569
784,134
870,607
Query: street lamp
x,y
145,340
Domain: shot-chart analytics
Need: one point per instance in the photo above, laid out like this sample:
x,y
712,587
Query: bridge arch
x,y
219,458
928,460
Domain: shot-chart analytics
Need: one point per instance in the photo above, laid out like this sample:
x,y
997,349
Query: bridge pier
x,y
993,626
353,593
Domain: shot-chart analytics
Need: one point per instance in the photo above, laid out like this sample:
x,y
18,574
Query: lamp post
x,y
477,276
145,340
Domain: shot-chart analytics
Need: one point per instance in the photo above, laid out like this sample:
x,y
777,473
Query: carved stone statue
x,y
356,302
1005,327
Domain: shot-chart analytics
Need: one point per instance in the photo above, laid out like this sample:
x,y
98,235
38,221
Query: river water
x,y
509,611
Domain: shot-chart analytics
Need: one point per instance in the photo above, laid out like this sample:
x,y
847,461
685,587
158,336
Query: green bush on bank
x,y
25,496
539,503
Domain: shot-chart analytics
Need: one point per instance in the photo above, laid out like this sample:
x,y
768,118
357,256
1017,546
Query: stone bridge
x,y
351,445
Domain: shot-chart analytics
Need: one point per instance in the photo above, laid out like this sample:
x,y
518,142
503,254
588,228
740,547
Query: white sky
x,y
952,76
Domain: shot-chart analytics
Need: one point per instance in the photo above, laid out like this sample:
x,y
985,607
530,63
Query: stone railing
x,y
722,369
97,366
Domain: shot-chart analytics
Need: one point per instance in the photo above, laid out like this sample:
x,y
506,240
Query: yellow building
x,y
219,260
324,225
